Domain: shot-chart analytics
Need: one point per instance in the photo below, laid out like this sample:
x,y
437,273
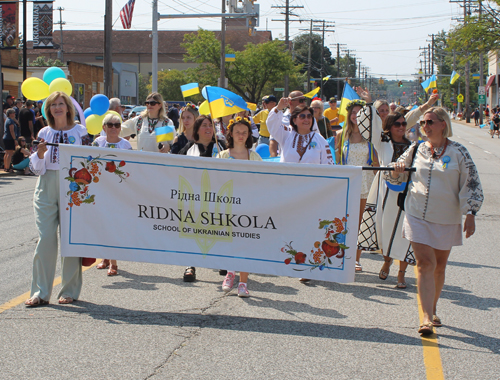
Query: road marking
x,y
470,142
23,297
432,357
487,152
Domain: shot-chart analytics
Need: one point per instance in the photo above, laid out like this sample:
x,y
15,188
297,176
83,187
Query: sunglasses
x,y
151,103
429,122
399,124
113,125
301,100
303,116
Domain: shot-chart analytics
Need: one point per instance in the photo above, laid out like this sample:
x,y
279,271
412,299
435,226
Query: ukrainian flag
x,y
429,83
165,133
190,89
454,77
348,95
311,94
326,78
252,106
223,102
230,57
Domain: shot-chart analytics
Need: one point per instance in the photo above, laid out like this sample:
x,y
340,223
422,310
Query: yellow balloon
x,y
35,89
94,124
61,84
113,113
204,108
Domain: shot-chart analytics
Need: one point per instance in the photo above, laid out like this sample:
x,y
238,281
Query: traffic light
x,y
252,22
400,84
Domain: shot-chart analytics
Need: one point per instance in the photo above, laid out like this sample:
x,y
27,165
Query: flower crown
x,y
355,102
237,120
189,105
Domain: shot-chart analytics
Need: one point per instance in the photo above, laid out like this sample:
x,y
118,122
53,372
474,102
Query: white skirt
x,y
435,235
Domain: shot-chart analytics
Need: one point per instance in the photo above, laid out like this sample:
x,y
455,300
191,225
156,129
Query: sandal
x,y
35,301
358,267
436,321
401,285
64,300
382,274
103,264
189,274
113,270
304,280
426,329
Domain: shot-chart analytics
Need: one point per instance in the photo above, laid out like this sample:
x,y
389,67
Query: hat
x,y
9,97
270,98
332,99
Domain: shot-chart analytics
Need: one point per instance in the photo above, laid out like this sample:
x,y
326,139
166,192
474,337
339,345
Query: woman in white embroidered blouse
x,y
299,143
444,187
145,125
45,162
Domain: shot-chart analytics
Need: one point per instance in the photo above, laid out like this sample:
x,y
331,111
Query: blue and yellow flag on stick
x,y
348,95
230,57
223,102
165,133
312,93
431,82
190,89
326,78
454,76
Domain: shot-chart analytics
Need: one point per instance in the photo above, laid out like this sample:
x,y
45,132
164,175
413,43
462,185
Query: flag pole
x,y
213,123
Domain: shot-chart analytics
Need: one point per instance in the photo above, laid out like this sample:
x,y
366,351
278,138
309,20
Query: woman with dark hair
x,y
298,142
45,162
445,187
21,157
239,144
145,125
204,145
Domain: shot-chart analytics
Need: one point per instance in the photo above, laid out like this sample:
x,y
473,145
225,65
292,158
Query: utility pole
x,y
223,48
309,58
25,39
154,35
287,34
108,62
467,76
481,69
338,70
61,23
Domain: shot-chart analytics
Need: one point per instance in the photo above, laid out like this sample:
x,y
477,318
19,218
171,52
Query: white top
x,y
76,136
308,149
440,194
146,136
101,142
358,153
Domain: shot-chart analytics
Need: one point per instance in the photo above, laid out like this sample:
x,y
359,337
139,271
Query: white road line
x,y
470,142
487,152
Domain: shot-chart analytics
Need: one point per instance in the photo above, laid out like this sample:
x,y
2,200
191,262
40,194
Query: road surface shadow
x,y
474,339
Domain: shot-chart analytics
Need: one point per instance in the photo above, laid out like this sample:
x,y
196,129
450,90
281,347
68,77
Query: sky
x,y
385,35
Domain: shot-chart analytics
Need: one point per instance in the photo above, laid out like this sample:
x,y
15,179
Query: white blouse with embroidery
x,y
306,149
145,129
77,136
101,142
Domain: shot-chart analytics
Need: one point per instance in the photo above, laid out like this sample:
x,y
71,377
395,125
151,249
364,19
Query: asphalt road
x,y
148,324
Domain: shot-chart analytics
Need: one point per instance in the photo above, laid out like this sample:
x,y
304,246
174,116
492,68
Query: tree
x,y
42,62
144,89
254,68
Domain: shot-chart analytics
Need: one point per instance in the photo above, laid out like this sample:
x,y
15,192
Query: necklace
x,y
437,156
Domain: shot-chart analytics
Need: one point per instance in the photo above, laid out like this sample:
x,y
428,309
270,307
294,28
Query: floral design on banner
x,y
80,179
323,253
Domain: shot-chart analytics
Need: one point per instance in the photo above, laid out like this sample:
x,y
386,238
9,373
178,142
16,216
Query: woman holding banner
x,y
444,187
204,145
144,125
189,114
45,162
239,144
111,124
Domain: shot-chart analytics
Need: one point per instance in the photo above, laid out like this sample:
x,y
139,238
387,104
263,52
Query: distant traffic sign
x,y
277,89
460,98
482,99
481,90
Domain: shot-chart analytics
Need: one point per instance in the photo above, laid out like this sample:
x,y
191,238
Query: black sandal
x,y
190,274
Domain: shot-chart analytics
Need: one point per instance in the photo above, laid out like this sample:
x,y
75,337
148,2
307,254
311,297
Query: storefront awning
x,y
491,81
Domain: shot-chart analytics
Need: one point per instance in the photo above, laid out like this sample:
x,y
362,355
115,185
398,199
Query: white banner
x,y
281,219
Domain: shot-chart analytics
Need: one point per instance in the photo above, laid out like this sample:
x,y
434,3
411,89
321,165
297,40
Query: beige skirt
x,y
435,235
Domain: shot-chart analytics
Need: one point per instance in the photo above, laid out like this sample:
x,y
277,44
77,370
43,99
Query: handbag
x,y
87,261
402,196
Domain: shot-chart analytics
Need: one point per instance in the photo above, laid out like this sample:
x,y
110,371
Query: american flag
x,y
126,14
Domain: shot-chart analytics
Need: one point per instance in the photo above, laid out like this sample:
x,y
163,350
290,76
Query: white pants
x,y
46,205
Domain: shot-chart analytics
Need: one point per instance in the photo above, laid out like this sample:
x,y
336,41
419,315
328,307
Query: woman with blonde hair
x,y
44,161
445,187
145,125
188,115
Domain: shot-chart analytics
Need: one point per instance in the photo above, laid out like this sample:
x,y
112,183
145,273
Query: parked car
x,y
136,111
127,110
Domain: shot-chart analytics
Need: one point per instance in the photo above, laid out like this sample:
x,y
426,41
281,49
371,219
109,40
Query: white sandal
x,y
358,267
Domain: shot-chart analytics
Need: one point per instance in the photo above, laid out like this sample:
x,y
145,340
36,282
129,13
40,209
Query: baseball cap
x,y
270,98
332,99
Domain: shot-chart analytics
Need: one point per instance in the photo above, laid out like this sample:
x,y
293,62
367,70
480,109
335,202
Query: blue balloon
x,y
43,109
53,73
99,104
263,150
87,112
